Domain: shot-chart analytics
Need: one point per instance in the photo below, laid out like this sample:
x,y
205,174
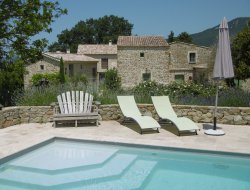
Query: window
x,y
81,67
142,54
71,70
179,78
41,67
192,57
146,76
104,63
94,74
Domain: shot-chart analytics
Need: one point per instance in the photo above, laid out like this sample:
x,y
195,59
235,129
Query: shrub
x,y
150,88
112,81
246,85
234,97
36,96
78,79
51,78
193,89
45,95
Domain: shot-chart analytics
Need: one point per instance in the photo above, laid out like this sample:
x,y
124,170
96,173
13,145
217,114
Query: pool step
x,y
115,166
132,179
58,156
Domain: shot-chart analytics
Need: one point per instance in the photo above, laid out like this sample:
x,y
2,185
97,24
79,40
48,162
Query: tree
x,y
171,37
241,53
184,37
10,80
61,72
19,21
92,31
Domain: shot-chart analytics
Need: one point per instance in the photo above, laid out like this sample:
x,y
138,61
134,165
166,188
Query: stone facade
x,y
200,114
131,66
164,62
112,62
87,61
198,68
44,66
137,58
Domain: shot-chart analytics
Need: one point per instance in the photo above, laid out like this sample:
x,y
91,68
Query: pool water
x,y
64,164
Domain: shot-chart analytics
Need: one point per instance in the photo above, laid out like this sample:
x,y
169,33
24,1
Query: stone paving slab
x,y
19,137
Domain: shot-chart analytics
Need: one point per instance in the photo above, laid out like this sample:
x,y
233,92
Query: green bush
x,y
150,88
52,78
187,88
112,81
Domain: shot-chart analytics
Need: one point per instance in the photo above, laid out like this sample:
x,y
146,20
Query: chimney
x,y
110,42
68,51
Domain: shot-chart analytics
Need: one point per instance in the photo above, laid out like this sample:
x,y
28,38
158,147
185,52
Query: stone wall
x,y
25,114
131,65
200,114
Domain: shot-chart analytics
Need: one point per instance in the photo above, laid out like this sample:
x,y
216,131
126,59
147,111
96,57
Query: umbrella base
x,y
214,132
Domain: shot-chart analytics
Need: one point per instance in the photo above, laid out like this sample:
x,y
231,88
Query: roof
x,y
153,41
97,49
69,57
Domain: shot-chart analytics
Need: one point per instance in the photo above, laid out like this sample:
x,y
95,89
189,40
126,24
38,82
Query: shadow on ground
x,y
165,126
207,126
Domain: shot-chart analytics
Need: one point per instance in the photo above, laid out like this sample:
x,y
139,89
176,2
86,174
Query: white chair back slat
x,y
86,100
77,101
65,105
69,102
59,99
81,102
90,103
73,102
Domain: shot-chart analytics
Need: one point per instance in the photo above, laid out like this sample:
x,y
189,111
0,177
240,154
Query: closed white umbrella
x,y
223,67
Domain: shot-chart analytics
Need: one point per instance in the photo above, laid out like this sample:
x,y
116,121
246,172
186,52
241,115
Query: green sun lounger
x,y
130,111
165,111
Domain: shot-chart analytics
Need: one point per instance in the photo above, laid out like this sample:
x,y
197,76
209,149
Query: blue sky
x,y
152,17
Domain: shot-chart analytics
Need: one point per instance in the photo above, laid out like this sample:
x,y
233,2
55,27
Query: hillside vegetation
x,y
209,37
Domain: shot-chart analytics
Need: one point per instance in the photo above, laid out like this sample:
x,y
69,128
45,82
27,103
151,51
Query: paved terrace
x,y
16,138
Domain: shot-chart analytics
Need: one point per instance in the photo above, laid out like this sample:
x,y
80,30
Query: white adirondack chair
x,y
75,106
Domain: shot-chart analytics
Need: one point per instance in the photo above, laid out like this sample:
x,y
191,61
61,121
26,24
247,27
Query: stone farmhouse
x,y
137,59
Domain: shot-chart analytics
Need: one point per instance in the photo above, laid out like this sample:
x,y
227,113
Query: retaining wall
x,y
200,114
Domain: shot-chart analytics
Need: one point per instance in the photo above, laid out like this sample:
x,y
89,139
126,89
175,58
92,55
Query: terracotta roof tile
x,y
96,49
154,41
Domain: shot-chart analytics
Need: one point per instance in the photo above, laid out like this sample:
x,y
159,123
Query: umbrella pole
x,y
216,103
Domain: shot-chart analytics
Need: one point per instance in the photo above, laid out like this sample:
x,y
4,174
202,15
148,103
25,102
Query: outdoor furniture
x,y
165,111
130,111
75,106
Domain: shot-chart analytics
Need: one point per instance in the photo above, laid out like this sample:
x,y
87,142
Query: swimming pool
x,y
70,164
